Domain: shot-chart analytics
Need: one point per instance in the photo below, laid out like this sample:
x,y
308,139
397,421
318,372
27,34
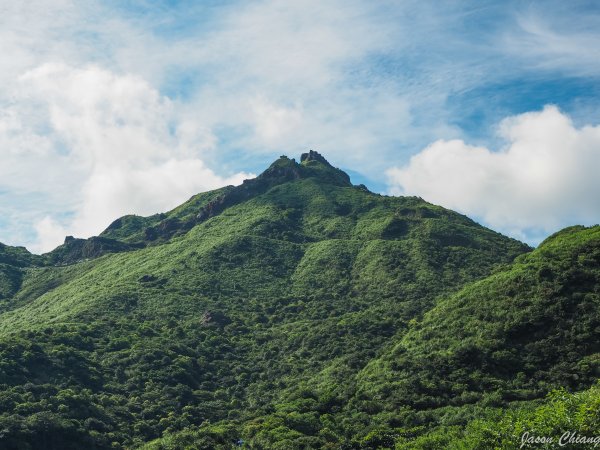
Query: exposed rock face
x,y
313,156
281,171
74,250
274,175
215,319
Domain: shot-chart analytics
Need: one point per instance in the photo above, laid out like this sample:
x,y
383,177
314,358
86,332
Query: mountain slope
x,y
513,336
224,307
472,374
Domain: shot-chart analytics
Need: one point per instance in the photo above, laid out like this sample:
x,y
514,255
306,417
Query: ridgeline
x,y
297,311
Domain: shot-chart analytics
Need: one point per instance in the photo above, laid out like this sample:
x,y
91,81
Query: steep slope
x,y
131,232
250,292
472,374
513,336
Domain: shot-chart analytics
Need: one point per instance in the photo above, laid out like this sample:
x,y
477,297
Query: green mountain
x,y
511,337
293,311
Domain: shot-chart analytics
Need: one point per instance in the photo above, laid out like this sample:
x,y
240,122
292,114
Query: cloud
x,y
287,76
49,234
86,134
294,43
544,179
556,39
99,94
111,144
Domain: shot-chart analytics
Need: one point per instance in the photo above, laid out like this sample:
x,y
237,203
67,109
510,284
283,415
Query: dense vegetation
x,y
295,311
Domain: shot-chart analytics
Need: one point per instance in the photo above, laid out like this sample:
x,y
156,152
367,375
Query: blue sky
x,y
108,108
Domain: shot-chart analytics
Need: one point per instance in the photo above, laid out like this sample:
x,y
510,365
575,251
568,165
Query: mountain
x,y
511,337
293,311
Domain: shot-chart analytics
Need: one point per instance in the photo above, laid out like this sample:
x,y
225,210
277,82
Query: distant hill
x,y
293,311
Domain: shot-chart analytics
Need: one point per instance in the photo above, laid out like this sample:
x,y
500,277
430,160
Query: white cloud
x,y
114,92
49,234
278,73
545,178
94,138
273,123
110,144
300,44
558,41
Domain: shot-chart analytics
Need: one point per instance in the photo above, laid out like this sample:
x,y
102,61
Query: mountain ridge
x,y
161,227
273,320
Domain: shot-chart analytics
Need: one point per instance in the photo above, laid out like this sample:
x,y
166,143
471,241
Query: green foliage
x,y
512,336
562,414
11,278
140,230
18,256
294,311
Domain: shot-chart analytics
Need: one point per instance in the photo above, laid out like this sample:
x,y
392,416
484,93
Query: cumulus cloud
x,y
100,136
111,144
100,98
543,179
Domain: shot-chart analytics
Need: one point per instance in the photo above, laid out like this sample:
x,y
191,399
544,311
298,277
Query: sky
x,y
130,107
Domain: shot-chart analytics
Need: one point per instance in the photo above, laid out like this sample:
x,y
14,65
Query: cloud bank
x,y
109,108
122,114
112,144
545,178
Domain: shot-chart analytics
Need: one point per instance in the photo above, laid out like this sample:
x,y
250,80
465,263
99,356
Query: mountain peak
x,y
281,171
314,156
158,228
312,165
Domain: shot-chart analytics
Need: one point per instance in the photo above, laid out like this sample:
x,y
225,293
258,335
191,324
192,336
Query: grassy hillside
x,y
511,337
460,378
285,312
